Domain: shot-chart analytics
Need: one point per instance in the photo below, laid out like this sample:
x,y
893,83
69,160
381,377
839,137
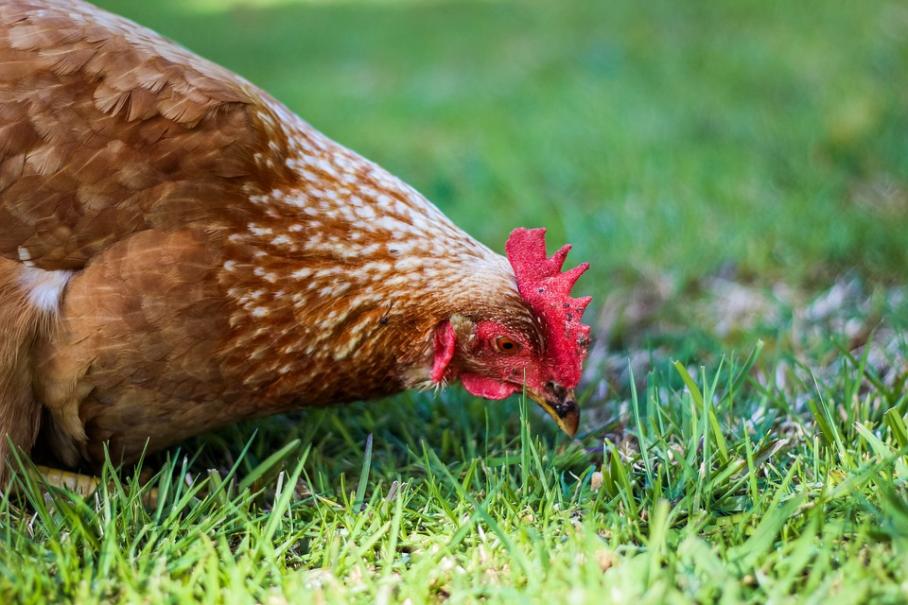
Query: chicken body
x,y
179,251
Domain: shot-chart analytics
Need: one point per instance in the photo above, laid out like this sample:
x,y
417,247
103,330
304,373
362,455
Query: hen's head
x,y
536,342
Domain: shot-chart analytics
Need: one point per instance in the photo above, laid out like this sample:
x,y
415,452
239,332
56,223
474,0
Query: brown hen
x,y
179,251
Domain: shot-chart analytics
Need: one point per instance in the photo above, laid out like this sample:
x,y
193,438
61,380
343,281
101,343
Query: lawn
x,y
736,172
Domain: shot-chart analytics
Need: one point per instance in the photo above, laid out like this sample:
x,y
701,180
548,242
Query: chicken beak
x,y
561,405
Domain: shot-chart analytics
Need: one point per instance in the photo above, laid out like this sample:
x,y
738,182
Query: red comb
x,y
547,291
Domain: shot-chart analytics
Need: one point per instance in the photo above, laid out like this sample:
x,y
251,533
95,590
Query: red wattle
x,y
487,388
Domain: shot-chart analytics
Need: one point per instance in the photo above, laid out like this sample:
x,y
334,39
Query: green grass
x,y
676,135
728,489
737,173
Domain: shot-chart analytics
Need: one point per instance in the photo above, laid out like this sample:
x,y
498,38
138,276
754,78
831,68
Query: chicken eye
x,y
503,344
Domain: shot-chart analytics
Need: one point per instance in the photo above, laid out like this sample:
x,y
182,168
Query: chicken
x,y
179,251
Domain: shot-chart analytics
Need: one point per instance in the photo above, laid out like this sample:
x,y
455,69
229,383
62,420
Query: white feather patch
x,y
44,288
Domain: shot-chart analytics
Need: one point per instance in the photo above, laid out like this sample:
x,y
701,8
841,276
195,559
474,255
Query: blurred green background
x,y
678,137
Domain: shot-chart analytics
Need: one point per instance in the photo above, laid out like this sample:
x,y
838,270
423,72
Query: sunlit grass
x,y
718,486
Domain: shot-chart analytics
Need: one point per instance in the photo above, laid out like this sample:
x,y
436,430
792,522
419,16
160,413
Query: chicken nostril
x,y
563,409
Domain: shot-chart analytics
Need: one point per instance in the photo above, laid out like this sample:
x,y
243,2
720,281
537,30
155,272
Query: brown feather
x,y
229,260
20,326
